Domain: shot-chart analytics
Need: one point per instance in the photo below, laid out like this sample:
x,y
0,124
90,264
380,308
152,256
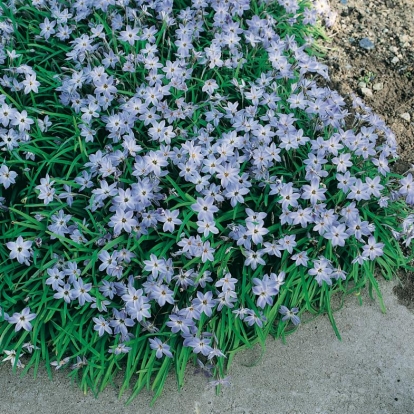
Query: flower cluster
x,y
192,166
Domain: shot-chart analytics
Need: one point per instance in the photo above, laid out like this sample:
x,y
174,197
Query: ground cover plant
x,y
177,182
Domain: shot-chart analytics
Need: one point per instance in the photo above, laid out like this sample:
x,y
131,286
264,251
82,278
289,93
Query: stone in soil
x,y
365,43
378,86
366,91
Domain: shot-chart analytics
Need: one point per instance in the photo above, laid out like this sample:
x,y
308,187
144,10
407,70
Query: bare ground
x,y
384,74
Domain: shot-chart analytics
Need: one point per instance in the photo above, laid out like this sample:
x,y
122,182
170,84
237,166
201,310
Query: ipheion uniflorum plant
x,y
177,182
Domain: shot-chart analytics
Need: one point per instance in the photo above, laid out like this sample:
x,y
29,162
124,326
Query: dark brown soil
x,y
384,75
405,289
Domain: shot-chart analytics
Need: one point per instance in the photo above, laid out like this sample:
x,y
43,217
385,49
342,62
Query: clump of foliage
x,y
177,182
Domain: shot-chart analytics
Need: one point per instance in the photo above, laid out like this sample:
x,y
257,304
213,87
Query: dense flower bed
x,y
177,181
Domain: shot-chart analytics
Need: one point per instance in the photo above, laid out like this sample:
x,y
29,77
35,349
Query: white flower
x,y
20,250
11,356
7,177
210,86
13,54
22,320
30,347
22,121
47,28
31,84
60,364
